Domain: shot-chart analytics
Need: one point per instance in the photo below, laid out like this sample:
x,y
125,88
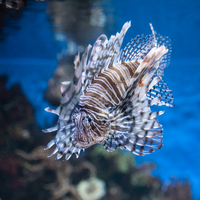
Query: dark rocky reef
x,y
18,130
27,173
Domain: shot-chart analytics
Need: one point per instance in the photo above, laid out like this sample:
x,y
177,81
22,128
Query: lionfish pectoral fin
x,y
135,129
64,147
141,143
104,53
134,126
162,92
71,91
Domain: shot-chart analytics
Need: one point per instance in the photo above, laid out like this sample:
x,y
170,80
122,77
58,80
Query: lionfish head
x,y
86,134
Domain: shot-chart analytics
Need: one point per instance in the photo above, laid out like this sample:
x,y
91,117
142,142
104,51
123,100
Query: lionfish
x,y
109,100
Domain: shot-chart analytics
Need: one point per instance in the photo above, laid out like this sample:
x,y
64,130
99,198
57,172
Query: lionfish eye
x,y
89,120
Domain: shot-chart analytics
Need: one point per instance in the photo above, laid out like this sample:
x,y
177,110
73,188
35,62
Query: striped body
x,y
104,94
109,100
110,85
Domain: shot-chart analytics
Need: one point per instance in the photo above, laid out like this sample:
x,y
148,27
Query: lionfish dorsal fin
x,y
142,78
160,40
135,52
138,47
104,54
92,65
134,125
154,35
71,91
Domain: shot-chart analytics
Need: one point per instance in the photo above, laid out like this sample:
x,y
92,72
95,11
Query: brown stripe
x,y
117,80
107,89
120,75
95,109
95,130
151,150
130,66
113,85
99,96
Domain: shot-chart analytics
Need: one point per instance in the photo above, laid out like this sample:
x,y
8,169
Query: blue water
x,y
28,56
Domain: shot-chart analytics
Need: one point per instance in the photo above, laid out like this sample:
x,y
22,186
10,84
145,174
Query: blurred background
x,y
38,42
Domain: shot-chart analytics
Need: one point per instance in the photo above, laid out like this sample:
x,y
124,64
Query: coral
x,y
126,180
91,189
61,174
9,171
17,130
124,162
61,171
17,119
27,173
177,190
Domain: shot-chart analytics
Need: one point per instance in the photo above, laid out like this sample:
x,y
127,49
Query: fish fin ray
x,y
144,73
104,54
63,142
140,143
136,48
161,40
162,91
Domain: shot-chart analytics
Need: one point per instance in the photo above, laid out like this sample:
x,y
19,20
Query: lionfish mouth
x,y
82,144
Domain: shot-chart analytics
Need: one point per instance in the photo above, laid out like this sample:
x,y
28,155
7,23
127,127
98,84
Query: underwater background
x,y
38,42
